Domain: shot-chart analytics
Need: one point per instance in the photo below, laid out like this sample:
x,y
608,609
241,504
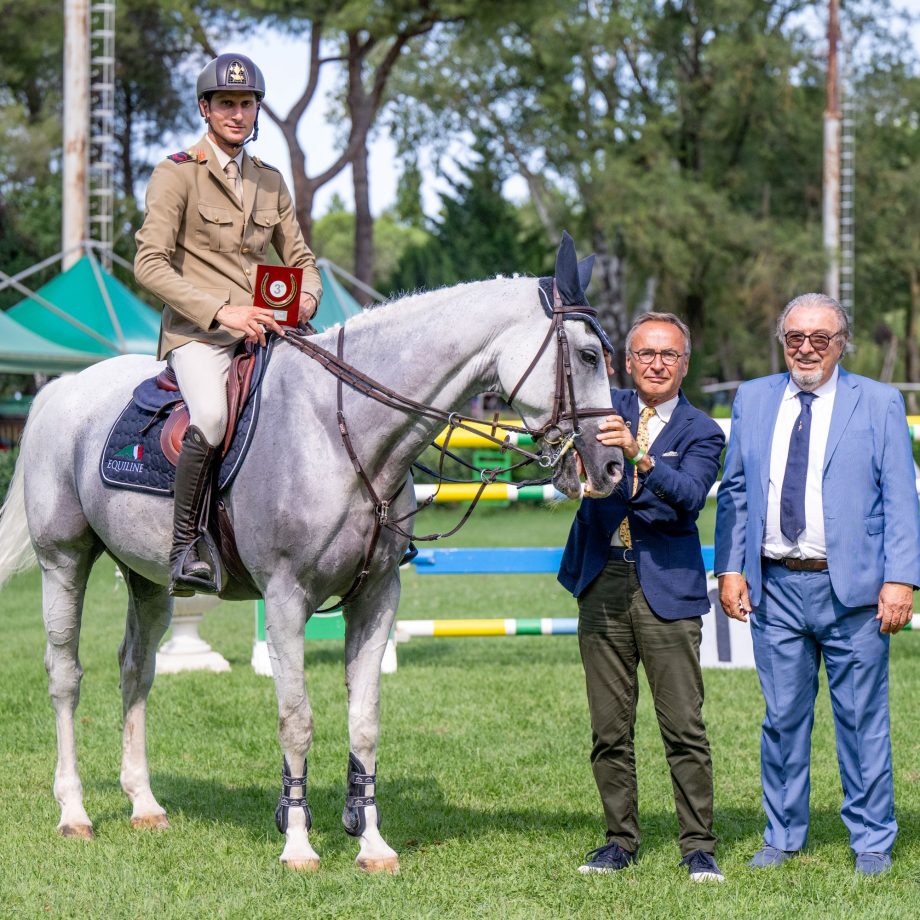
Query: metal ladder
x,y
102,128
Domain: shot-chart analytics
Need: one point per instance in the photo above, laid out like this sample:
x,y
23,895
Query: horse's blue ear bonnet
x,y
572,277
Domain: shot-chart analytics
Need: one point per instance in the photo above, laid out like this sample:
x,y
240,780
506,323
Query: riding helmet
x,y
231,73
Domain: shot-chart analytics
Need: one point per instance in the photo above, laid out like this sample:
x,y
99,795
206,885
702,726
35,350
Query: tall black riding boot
x,y
188,573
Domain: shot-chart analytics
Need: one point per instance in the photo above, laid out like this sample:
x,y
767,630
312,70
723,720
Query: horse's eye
x,y
589,357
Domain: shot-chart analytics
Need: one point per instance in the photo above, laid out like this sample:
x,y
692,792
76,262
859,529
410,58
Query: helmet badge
x,y
236,73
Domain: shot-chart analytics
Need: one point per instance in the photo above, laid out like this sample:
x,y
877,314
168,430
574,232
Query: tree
x,y
365,42
681,137
479,234
335,233
888,208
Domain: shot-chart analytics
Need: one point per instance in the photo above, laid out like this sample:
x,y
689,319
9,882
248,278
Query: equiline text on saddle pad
x,y
138,455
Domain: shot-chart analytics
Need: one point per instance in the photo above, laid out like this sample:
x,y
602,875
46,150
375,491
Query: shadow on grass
x,y
417,815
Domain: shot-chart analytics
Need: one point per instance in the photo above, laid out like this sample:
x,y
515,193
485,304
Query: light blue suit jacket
x,y
871,511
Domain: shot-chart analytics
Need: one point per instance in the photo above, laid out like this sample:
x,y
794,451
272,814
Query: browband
x,y
586,312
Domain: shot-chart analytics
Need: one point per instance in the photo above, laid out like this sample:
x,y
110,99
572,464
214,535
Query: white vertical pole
x,y
75,212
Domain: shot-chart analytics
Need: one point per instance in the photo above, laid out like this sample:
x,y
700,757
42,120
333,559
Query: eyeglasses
x,y
820,341
669,356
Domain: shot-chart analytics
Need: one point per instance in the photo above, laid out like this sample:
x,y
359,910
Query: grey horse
x,y
303,519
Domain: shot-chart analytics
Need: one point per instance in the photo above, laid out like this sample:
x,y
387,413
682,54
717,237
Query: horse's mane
x,y
431,299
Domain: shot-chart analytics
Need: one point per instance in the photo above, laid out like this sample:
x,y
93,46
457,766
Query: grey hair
x,y
814,300
652,317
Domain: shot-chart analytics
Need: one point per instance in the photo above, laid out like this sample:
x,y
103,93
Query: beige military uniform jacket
x,y
198,247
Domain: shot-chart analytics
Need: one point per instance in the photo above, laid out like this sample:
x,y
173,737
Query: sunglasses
x,y
820,341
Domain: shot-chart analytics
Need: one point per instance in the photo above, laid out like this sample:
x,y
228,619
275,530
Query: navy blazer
x,y
662,513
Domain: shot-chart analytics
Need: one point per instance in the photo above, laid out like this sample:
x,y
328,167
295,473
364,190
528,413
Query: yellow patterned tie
x,y
642,441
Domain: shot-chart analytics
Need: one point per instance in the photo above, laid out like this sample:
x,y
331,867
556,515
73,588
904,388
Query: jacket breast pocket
x,y
261,228
214,228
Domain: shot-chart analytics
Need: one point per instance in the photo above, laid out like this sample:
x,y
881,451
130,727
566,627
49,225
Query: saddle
x,y
144,444
238,386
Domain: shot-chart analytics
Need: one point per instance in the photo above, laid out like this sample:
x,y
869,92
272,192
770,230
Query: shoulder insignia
x,y
188,156
265,165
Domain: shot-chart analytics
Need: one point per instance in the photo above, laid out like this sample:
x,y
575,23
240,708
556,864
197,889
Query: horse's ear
x,y
567,275
585,267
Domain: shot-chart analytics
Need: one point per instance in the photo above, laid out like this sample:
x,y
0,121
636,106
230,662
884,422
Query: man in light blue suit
x,y
818,509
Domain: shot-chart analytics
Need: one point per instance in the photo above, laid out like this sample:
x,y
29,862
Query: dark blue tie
x,y
792,499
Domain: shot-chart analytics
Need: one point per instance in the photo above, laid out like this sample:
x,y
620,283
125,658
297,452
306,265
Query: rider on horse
x,y
211,212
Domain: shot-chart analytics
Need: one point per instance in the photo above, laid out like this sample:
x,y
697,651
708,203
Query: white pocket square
x,y
670,453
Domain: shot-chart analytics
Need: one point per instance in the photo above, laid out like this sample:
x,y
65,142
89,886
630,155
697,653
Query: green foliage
x,y
479,234
682,141
7,465
334,236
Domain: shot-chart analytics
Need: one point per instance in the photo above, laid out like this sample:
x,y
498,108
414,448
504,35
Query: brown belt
x,y
800,565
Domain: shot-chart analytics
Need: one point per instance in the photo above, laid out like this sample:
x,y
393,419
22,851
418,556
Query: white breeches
x,y
202,372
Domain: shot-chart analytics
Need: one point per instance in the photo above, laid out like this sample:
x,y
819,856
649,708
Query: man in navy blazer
x,y
635,564
818,538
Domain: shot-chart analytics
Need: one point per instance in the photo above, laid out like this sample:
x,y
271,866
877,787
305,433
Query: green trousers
x,y
617,630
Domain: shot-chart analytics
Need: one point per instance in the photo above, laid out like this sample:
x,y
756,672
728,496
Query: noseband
x,y
551,433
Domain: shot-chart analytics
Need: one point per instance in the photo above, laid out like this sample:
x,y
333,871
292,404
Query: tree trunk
x,y
609,297
364,223
911,343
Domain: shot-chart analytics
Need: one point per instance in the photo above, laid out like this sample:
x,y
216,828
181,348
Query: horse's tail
x,y
16,553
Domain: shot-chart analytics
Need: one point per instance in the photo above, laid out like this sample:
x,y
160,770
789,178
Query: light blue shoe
x,y
872,863
768,857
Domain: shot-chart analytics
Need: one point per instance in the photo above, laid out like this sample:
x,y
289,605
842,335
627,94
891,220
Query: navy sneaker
x,y
872,863
611,857
702,867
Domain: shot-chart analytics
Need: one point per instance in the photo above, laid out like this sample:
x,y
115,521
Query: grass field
x,y
486,790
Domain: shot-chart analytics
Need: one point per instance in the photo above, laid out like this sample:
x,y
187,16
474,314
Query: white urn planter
x,y
185,650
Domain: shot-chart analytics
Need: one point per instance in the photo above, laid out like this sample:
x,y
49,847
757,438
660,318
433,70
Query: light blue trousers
x,y
799,621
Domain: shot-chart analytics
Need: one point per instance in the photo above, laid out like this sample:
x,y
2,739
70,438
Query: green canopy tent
x,y
24,352
337,304
86,309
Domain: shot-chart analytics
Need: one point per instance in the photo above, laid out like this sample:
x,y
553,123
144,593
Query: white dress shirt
x,y
811,543
223,158
656,425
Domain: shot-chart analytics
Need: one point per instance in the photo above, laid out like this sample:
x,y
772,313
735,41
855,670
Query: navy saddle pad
x,y
132,457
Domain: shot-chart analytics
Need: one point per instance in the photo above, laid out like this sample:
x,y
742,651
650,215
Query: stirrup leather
x,y
286,802
354,817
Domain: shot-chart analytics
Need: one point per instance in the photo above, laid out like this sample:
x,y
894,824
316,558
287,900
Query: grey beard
x,y
807,382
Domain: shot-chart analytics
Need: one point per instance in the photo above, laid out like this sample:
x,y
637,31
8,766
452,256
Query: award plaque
x,y
278,289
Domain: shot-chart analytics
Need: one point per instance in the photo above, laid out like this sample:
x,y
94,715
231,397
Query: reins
x,y
564,395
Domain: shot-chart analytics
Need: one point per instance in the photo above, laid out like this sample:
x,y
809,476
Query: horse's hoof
x,y
80,831
150,823
301,865
379,864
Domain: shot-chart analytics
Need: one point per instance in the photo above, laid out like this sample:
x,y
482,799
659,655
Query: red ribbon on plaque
x,y
278,290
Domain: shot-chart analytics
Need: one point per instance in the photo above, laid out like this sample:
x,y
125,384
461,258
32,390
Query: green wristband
x,y
635,460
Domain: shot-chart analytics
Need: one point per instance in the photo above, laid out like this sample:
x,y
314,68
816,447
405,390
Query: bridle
x,y
551,433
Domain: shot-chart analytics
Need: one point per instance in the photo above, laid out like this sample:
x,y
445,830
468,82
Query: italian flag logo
x,y
132,452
